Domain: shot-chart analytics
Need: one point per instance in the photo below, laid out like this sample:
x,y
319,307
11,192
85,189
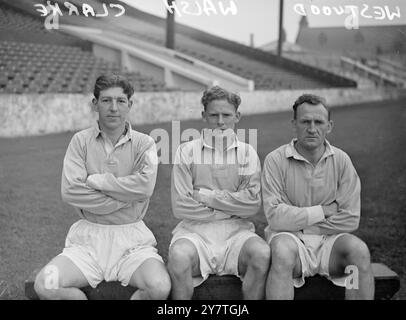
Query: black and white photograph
x,y
205,150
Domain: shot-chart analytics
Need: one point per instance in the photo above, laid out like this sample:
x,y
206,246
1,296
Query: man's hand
x,y
94,180
330,210
196,195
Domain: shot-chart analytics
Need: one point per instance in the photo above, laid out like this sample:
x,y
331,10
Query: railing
x,y
375,75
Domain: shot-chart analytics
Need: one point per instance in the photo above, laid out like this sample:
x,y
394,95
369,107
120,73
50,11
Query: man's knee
x,y
356,252
258,255
39,285
159,287
60,273
284,253
45,285
180,256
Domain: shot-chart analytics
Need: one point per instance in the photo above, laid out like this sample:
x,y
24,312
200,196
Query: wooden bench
x,y
387,283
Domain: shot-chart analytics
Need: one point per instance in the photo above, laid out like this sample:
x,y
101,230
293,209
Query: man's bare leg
x,y
183,264
348,250
253,264
60,279
151,280
285,265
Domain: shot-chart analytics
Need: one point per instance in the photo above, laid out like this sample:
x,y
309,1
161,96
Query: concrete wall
x,y
147,68
35,114
187,84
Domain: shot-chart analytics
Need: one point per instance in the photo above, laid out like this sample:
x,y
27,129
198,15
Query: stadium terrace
x,y
85,9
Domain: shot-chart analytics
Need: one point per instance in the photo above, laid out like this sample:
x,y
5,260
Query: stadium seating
x,y
53,69
18,26
266,76
391,65
329,62
36,60
46,68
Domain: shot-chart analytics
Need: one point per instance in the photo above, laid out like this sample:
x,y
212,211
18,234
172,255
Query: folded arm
x,y
74,189
137,186
244,202
279,211
184,205
348,202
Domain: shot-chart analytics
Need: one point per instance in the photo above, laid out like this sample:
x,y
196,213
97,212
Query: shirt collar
x,y
127,130
236,143
291,152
